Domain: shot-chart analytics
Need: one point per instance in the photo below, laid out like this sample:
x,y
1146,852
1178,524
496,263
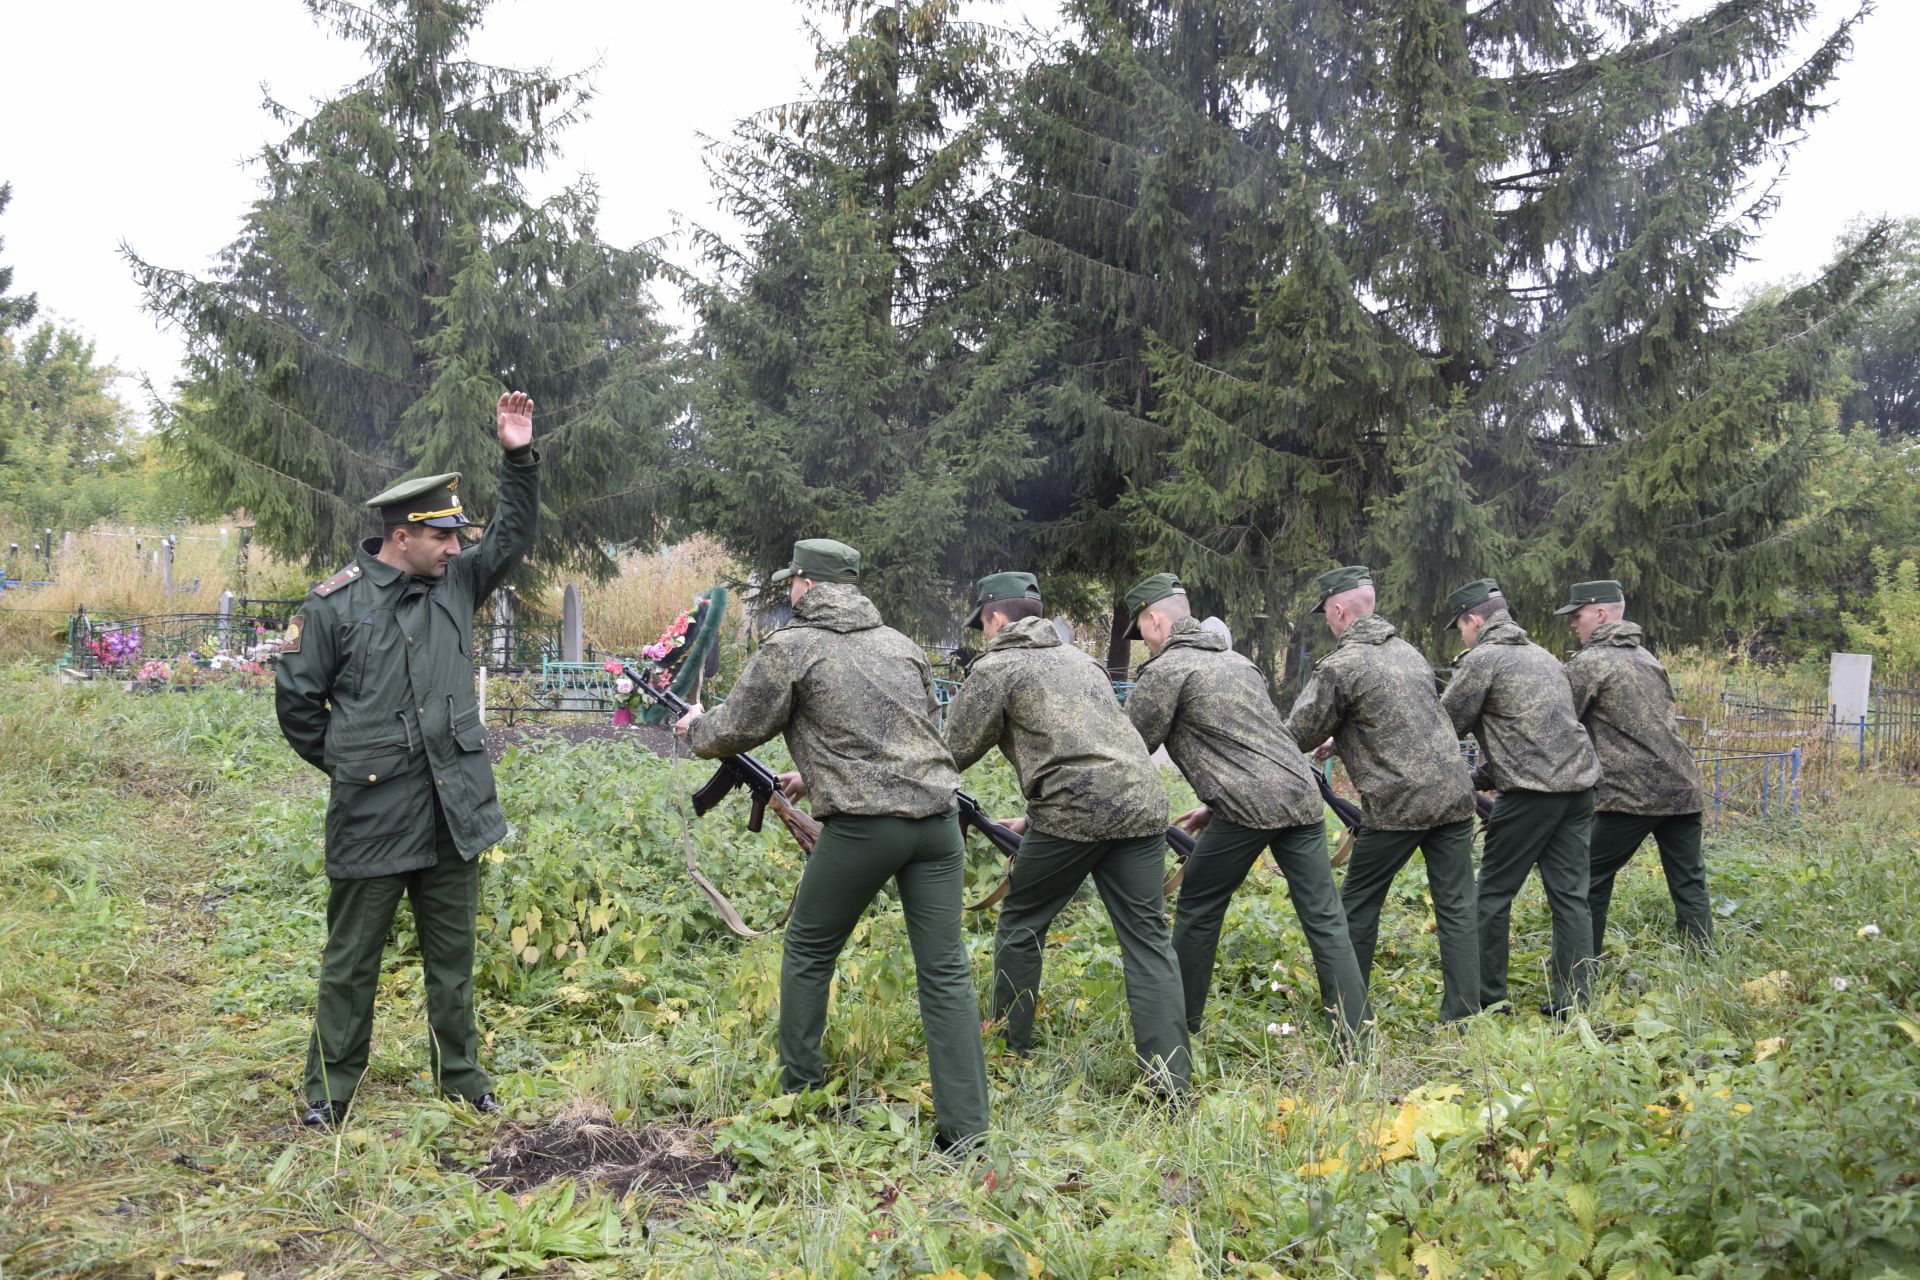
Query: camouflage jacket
x,y
1622,694
855,700
1050,709
1513,695
1377,697
1210,706
375,688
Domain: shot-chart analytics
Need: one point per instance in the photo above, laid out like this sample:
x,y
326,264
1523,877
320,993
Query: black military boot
x,y
324,1115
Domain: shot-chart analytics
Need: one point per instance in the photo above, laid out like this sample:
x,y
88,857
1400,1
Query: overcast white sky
x,y
134,119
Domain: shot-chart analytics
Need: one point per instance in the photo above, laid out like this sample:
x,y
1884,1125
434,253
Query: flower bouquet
x,y
674,661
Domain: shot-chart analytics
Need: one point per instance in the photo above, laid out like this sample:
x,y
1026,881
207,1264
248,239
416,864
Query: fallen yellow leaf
x,y
1913,1032
1771,988
1322,1168
1764,1049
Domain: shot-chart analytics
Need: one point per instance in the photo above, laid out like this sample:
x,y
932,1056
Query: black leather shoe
x,y
1564,1013
324,1115
486,1104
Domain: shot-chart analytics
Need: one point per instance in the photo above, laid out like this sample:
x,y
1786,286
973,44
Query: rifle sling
x,y
726,909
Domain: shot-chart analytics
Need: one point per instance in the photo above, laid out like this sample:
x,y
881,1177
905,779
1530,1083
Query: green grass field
x,y
1755,1113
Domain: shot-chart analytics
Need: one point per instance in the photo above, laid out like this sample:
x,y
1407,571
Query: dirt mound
x,y
585,1143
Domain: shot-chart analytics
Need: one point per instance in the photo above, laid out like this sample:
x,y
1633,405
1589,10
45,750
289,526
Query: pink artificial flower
x,y
622,716
612,667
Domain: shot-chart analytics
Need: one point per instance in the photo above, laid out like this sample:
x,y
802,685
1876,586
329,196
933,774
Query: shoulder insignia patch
x,y
291,643
337,581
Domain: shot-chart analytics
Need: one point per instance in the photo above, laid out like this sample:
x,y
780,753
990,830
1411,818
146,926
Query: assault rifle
x,y
1351,817
763,790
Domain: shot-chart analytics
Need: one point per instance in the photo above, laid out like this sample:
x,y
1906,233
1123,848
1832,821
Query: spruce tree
x,y
1141,213
15,310
1483,335
392,278
853,382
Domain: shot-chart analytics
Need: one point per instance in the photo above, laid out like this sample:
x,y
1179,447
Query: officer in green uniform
x,y
1095,806
855,701
1513,695
375,688
1377,698
1210,707
1649,781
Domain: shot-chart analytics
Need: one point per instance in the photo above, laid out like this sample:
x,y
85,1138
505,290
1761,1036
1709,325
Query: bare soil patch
x,y
585,1143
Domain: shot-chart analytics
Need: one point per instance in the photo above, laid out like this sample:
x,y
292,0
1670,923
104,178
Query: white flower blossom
x,y
1286,1028
1273,1028
1869,930
1276,966
1273,986
1839,984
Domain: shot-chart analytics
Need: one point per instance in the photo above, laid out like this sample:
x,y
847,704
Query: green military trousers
x,y
1128,873
359,914
1616,837
1448,850
1528,829
853,859
1221,861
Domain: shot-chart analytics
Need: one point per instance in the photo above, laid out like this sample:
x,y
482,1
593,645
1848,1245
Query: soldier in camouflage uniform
x,y
855,701
1378,699
1649,781
1210,707
1095,806
374,687
1513,695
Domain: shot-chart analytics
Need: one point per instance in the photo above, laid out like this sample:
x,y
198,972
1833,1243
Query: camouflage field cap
x,y
1148,591
428,500
823,560
1334,581
1605,591
1479,591
1010,585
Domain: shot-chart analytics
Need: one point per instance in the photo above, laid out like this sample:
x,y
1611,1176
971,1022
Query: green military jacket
x,y
1513,695
855,700
1209,706
376,688
1050,709
1376,696
1622,694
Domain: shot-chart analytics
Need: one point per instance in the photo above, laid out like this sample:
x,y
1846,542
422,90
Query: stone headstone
x,y
573,636
66,544
166,565
502,629
226,619
1219,628
1063,629
1849,688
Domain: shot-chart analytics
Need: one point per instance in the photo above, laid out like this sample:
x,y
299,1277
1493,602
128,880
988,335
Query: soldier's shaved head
x,y
1157,619
1591,617
1345,608
1172,608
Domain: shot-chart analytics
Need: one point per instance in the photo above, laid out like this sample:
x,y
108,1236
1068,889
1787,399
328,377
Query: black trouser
x,y
1528,829
1448,850
445,897
1225,854
1616,836
854,858
1046,874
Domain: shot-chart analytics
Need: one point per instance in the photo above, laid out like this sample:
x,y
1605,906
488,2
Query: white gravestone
x,y
1849,688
